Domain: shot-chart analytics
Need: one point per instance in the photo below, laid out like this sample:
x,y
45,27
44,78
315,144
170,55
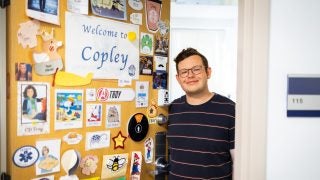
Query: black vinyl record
x,y
138,126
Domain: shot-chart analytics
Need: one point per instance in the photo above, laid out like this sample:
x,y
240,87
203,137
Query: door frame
x,y
252,90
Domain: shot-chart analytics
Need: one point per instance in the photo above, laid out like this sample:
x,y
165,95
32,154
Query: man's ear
x,y
208,71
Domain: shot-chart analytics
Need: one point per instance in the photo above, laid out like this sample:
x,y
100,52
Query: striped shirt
x,y
200,139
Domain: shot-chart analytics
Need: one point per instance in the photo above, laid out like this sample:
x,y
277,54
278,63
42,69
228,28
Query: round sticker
x,y
25,156
138,127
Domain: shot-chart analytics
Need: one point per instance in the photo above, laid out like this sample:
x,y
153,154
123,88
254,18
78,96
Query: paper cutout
x,y
97,140
89,164
44,178
136,163
72,138
49,160
114,166
119,140
25,156
116,9
48,60
70,160
27,33
148,150
132,36
71,79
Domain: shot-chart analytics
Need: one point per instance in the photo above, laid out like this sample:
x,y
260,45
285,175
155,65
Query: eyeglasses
x,y
185,72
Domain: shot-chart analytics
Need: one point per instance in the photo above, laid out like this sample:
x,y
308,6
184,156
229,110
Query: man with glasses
x,y
201,124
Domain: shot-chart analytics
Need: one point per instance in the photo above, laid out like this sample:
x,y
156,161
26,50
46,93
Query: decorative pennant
x,y
89,164
25,156
148,150
136,163
153,13
119,140
114,166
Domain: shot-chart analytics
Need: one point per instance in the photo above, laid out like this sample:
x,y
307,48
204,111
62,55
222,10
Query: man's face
x,y
192,75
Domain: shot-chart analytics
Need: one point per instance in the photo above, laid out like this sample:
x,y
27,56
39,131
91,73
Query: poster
x,y
33,108
101,46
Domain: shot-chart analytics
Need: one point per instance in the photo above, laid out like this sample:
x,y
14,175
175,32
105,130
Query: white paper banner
x,y
101,46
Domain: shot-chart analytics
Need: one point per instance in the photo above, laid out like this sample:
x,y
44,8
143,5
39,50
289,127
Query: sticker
x,y
160,80
49,160
152,110
119,140
93,115
25,156
27,33
70,79
91,94
161,63
138,127
114,165
23,72
163,97
146,65
146,46
136,4
97,140
48,60
116,9
142,93
161,45
113,115
115,94
88,164
136,163
70,161
148,150
72,138
153,13
136,18
68,109
124,82
32,108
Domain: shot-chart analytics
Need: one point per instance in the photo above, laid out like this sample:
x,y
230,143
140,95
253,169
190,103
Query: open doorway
x,y
211,28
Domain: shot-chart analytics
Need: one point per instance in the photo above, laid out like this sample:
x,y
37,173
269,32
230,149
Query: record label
x,y
138,126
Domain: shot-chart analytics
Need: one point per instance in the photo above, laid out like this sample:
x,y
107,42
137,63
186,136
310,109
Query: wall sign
x,y
303,96
101,46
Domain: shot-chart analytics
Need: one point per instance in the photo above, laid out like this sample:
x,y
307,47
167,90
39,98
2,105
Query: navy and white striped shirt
x,y
200,139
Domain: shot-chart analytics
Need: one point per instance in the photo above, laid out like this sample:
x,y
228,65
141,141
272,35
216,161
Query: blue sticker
x,y
25,156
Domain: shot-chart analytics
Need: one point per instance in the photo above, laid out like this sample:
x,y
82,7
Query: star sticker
x,y
119,140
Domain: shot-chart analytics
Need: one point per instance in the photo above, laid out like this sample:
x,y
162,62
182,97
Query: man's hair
x,y
185,53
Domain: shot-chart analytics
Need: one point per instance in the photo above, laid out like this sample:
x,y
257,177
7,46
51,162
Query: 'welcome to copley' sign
x,y
101,46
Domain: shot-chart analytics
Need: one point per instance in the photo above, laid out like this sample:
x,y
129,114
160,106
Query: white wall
x,y
293,151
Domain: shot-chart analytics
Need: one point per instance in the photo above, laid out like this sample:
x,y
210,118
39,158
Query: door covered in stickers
x,y
87,88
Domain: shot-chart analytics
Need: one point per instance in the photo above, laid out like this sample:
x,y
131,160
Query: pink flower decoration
x,y
89,164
